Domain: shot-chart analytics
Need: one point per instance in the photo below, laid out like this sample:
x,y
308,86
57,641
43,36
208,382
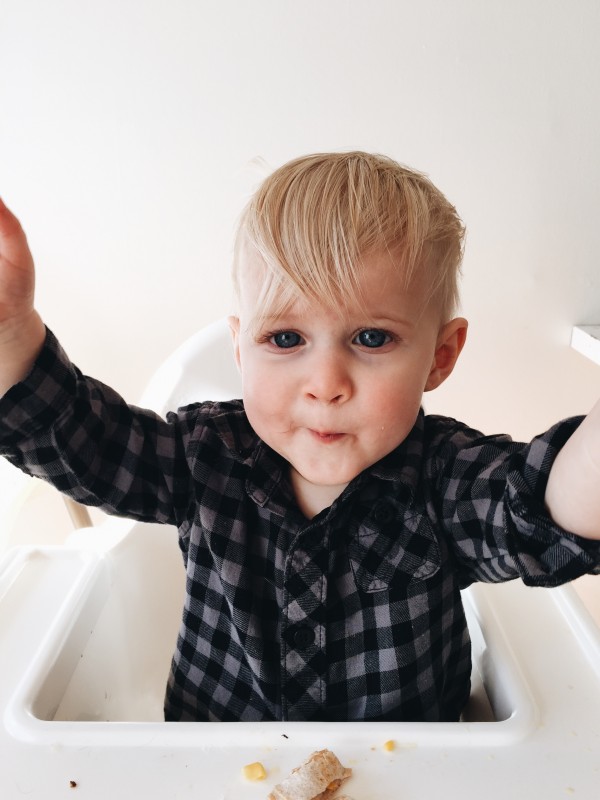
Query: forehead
x,y
379,288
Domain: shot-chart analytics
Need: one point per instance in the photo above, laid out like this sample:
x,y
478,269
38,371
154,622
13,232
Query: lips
x,y
326,437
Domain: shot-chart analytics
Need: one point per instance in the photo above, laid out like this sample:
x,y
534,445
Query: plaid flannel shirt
x,y
353,615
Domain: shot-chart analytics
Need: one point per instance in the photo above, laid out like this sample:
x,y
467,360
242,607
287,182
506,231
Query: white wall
x,y
127,128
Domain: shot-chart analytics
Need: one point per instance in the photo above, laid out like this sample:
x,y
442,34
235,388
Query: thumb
x,y
13,242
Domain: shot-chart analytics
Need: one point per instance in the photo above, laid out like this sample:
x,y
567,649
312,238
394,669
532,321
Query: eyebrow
x,y
294,318
393,320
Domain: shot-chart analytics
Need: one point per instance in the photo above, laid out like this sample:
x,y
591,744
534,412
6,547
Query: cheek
x,y
254,395
393,406
265,396
257,410
252,372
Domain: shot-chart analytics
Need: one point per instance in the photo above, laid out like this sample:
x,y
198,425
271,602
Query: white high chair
x,y
87,630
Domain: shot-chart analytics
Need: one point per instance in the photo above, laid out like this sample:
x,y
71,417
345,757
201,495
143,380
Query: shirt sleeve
x,y
489,497
82,437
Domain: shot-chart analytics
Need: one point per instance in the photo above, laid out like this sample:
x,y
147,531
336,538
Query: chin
x,y
338,478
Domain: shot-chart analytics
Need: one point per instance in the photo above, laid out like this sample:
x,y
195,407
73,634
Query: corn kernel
x,y
254,772
389,745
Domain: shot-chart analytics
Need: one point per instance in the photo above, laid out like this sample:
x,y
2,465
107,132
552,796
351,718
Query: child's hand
x,y
573,490
21,329
17,277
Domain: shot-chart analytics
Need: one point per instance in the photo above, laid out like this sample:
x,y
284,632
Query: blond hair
x,y
315,219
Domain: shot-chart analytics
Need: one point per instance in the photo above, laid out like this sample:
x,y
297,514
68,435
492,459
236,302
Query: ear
x,y
450,342
234,327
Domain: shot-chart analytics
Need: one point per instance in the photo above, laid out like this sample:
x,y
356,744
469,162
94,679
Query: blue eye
x,y
371,337
286,339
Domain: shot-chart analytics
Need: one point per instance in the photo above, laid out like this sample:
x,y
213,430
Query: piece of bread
x,y
318,778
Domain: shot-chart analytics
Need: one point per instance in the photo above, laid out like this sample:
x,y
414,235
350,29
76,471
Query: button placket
x,y
303,630
303,637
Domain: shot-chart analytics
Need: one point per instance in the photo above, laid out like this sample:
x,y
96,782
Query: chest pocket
x,y
393,547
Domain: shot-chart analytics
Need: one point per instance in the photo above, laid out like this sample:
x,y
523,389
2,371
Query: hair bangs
x,y
315,220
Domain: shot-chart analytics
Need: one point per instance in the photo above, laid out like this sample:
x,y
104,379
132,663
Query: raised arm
x,y
22,331
573,491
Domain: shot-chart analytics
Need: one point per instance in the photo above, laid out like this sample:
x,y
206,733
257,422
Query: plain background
x,y
133,131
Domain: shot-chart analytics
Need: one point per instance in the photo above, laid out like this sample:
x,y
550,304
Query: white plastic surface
x,y
202,368
586,340
86,635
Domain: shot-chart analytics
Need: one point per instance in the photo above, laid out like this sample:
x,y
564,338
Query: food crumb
x,y
73,784
254,772
389,745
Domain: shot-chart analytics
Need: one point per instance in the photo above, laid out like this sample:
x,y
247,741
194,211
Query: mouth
x,y
326,437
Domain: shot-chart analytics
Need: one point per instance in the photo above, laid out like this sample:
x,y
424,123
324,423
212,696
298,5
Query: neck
x,y
311,497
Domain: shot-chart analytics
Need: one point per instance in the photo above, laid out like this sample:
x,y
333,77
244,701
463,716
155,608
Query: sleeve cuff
x,y
39,399
553,555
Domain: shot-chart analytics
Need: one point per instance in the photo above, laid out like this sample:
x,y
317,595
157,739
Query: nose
x,y
328,378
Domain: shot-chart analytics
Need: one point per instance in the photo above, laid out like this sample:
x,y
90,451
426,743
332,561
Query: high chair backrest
x,y
202,368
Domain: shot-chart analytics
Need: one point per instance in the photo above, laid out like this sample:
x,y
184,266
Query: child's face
x,y
335,392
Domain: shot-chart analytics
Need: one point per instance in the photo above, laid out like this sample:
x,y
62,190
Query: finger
x,y
13,242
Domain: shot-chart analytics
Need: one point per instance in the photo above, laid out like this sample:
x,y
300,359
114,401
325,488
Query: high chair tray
x,y
86,635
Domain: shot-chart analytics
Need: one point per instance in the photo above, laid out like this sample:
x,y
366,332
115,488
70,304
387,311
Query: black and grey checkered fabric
x,y
353,615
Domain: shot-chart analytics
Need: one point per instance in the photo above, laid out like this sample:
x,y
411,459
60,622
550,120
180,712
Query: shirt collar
x,y
403,465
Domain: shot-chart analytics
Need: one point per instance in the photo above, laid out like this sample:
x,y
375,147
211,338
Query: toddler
x,y
327,524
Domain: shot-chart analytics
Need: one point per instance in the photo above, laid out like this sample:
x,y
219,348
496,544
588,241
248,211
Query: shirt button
x,y
383,514
303,637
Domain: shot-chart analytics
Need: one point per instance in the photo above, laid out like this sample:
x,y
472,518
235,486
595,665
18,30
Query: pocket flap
x,y
393,547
